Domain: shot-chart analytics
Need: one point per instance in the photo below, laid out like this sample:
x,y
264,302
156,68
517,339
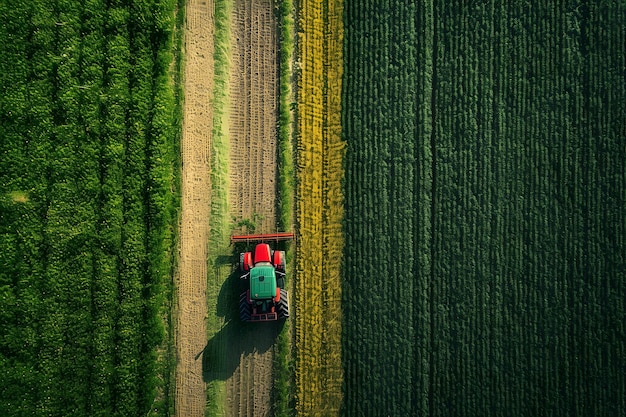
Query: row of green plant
x,y
171,106
282,394
286,176
484,209
89,128
218,271
380,285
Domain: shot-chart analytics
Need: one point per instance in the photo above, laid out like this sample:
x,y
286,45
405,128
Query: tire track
x,y
253,113
191,276
253,120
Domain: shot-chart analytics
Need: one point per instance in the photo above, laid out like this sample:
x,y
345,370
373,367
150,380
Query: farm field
x,y
252,121
484,269
87,168
191,310
319,210
458,199
238,359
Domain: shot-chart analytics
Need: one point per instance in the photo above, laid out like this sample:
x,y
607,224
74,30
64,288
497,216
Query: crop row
x,y
484,209
283,376
319,209
88,151
385,210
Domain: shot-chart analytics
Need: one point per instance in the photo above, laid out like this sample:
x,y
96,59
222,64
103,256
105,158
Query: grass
x,y
283,361
166,362
286,177
219,218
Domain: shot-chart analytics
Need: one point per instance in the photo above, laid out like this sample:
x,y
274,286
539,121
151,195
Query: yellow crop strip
x,y
319,209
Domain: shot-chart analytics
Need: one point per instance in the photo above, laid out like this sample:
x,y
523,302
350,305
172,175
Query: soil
x,y
191,276
253,114
253,120
240,354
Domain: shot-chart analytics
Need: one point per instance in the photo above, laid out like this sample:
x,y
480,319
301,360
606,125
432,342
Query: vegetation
x,y
283,366
484,271
319,209
286,176
87,170
218,270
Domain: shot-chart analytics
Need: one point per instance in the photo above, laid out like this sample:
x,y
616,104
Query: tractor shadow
x,y
224,351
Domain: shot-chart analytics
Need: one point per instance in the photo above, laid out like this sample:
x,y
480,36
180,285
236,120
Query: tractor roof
x,y
262,282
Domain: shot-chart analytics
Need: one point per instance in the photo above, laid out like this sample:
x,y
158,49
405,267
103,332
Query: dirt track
x,y
191,276
253,113
253,119
243,354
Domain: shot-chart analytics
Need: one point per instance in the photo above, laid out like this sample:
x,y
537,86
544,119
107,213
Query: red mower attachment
x,y
267,237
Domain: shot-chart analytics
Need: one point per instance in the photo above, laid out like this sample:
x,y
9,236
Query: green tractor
x,y
265,298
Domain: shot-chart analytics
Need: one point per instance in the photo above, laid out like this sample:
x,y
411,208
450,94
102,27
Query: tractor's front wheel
x,y
278,259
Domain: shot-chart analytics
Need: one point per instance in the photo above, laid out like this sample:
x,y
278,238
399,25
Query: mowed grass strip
x,y
319,210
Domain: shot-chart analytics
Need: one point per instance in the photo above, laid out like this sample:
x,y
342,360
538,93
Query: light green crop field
x,y
88,141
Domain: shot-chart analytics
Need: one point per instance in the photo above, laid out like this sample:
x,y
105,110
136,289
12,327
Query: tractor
x,y
263,271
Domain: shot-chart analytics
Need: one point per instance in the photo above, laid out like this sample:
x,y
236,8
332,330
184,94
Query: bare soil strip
x,y
253,113
191,276
253,120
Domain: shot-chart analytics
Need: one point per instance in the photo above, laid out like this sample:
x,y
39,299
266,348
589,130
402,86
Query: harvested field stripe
x,y
195,209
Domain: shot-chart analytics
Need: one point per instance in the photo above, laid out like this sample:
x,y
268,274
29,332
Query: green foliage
x,y
220,144
483,270
89,127
286,175
283,367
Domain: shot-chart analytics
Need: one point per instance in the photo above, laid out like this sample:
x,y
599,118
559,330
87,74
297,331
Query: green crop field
x,y
484,265
87,167
484,206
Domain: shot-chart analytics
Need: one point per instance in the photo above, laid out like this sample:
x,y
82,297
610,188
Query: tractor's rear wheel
x,y
245,310
245,261
283,305
280,282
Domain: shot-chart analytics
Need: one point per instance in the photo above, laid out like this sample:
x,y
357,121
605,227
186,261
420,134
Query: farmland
x,y
192,269
454,173
319,210
87,169
252,170
484,209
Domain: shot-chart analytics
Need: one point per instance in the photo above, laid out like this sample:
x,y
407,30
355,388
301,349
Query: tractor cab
x,y
263,282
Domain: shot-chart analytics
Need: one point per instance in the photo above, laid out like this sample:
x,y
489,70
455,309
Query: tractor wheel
x,y
244,308
283,305
278,259
245,261
280,282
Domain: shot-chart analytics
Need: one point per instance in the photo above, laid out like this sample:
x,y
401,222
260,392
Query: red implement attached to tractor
x,y
268,237
264,270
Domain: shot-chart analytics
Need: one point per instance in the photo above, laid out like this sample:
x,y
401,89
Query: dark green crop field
x,y
87,163
485,258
